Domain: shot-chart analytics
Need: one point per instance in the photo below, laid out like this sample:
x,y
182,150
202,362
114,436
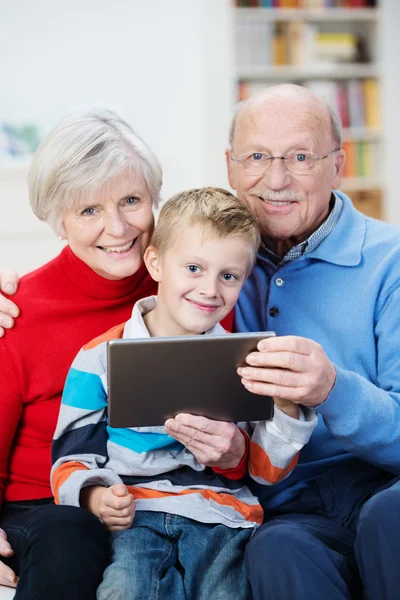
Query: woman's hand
x,y
8,310
213,443
7,575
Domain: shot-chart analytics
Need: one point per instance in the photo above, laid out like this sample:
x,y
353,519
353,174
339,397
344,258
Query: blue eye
x,y
301,157
193,268
229,277
88,211
257,155
132,200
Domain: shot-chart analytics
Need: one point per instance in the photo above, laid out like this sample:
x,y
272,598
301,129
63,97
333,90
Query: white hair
x,y
82,154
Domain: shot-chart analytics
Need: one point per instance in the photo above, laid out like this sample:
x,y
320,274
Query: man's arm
x,y
8,310
363,416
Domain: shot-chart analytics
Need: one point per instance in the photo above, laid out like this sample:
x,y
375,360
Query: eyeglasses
x,y
298,162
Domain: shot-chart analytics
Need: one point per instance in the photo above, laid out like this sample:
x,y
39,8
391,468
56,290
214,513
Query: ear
x,y
231,169
340,160
153,263
62,234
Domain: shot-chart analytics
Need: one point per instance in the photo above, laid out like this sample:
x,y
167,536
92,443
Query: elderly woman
x,y
95,182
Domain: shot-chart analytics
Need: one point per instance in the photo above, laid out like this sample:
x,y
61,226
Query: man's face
x,y
289,206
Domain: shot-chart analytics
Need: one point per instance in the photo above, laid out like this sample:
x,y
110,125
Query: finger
x,y
202,423
7,576
5,547
291,361
280,377
119,489
189,435
110,512
294,394
8,308
290,343
8,281
118,503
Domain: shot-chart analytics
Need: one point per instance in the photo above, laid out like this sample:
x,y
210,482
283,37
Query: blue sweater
x,y
345,295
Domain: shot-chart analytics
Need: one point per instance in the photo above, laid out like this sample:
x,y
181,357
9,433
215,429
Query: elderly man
x,y
327,280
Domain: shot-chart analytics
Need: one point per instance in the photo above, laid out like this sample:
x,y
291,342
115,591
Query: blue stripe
x,y
84,390
140,441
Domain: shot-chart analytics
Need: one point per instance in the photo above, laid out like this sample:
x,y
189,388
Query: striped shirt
x,y
162,474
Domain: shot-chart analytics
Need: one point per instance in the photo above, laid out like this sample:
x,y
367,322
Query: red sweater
x,y
64,305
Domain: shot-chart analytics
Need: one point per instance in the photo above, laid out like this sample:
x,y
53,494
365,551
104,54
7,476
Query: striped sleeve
x,y
275,444
79,449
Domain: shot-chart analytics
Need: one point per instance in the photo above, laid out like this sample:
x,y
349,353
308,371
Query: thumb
x,y
119,489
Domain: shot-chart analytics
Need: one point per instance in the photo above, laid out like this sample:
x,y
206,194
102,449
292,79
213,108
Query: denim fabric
x,y
337,537
60,551
168,557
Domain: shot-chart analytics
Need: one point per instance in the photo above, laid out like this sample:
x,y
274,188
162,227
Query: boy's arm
x,y
275,445
80,441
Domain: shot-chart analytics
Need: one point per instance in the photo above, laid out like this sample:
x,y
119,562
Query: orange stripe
x,y
253,513
261,466
62,473
114,333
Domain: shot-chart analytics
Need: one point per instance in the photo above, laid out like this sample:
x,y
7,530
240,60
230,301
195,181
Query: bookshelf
x,y
332,49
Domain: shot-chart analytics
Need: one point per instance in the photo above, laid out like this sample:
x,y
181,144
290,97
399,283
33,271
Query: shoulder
x,y
41,280
114,333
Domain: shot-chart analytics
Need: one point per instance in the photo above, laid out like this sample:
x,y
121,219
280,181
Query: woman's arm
x,y
8,310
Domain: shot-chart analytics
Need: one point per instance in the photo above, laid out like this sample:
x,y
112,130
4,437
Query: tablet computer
x,y
152,379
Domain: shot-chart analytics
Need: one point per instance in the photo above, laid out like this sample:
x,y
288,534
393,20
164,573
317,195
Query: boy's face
x,y
200,277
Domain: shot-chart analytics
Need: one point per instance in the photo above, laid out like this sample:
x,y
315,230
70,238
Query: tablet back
x,y
152,379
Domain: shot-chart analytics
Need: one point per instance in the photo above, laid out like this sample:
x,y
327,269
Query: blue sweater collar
x,y
343,246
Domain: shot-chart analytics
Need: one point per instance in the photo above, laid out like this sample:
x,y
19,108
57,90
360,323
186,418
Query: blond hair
x,y
215,209
82,154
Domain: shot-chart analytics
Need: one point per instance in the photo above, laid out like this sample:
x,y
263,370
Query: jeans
x,y
164,556
338,537
60,551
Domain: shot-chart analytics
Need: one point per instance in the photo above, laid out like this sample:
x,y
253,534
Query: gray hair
x,y
336,124
82,154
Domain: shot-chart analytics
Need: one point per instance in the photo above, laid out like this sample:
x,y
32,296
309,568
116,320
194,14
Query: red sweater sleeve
x,y
241,469
11,407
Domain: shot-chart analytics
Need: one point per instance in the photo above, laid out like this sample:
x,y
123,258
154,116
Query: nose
x,y
209,286
114,222
277,176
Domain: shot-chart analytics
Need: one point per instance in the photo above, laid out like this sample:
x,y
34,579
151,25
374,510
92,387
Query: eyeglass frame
x,y
314,157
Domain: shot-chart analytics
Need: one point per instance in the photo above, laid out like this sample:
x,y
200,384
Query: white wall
x,y
164,65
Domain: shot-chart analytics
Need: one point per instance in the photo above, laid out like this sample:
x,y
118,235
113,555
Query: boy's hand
x,y
290,408
8,310
213,443
114,505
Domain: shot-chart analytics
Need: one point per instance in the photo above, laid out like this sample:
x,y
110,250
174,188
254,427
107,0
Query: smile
x,y
277,202
207,308
118,249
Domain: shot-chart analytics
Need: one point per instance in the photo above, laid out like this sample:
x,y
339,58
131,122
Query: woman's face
x,y
111,229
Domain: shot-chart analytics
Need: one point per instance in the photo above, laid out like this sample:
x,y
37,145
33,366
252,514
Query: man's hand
x,y
289,368
213,443
114,505
8,310
7,575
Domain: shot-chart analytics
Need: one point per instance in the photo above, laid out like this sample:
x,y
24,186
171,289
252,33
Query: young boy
x,y
192,521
